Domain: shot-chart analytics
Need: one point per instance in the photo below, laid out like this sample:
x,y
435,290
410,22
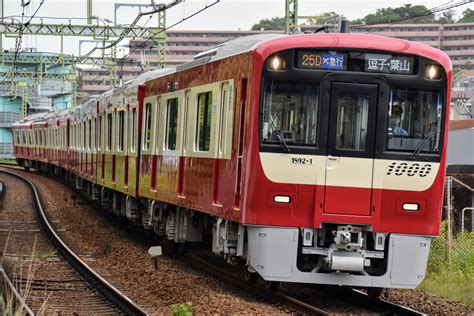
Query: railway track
x,y
301,306
304,306
50,283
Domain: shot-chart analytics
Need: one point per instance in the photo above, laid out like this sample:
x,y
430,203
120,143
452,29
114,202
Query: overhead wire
x,y
151,37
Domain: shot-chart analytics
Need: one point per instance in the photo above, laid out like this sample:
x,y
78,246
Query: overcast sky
x,y
226,15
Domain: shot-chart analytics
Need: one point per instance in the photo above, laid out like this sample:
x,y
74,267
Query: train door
x,y
351,142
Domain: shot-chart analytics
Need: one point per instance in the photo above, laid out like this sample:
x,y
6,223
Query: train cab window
x,y
171,123
147,138
133,119
109,131
121,127
352,119
290,113
414,120
203,135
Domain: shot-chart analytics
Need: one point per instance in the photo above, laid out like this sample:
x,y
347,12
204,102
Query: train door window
x,y
132,133
99,136
204,117
352,119
226,120
109,131
89,123
121,132
185,120
148,121
94,128
171,123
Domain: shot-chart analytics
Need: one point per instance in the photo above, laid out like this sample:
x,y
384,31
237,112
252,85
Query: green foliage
x,y
403,14
467,16
319,18
451,279
185,309
447,17
273,24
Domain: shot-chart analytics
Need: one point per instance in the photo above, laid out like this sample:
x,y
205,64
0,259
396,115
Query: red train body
x,y
314,158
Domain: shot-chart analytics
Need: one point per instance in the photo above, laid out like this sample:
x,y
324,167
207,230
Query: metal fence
x,y
454,248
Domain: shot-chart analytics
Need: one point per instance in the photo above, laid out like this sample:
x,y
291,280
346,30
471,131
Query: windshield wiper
x,y
281,140
419,146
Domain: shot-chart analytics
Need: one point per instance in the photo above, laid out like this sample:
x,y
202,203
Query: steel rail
x,y
121,301
274,296
396,309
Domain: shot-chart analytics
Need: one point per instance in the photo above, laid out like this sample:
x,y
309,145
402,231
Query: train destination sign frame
x,y
355,61
311,59
387,63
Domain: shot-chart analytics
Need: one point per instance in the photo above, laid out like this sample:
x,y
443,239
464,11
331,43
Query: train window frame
x,y
133,127
206,122
121,131
109,147
100,132
440,128
148,126
315,148
172,108
226,119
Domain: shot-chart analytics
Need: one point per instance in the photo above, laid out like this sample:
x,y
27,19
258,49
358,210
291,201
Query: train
x,y
310,158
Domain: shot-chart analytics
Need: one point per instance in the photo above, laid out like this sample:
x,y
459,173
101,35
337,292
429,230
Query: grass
x,y
450,285
453,279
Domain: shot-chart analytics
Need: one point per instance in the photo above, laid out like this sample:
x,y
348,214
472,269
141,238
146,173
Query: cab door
x,y
350,151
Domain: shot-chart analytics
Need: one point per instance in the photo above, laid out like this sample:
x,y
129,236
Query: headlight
x,y
433,72
277,63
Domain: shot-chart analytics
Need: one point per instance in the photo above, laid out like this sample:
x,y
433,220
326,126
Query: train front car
x,y
345,174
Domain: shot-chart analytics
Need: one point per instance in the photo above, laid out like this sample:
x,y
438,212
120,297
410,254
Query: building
x,y
457,40
181,47
37,82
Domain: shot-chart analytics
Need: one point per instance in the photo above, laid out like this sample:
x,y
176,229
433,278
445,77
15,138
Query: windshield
x,y
414,120
290,113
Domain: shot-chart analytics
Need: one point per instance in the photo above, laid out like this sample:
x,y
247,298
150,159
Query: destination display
x,y
388,64
321,60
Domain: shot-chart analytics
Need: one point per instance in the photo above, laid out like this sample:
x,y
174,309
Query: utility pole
x,y
89,11
292,17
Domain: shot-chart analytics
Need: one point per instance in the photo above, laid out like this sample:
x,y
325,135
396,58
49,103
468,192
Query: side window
x,y
109,131
121,126
132,133
204,116
147,138
171,123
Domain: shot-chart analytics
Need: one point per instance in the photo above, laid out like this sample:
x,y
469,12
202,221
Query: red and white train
x,y
314,158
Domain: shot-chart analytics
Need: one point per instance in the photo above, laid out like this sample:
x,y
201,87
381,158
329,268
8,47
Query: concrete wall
x,y
461,147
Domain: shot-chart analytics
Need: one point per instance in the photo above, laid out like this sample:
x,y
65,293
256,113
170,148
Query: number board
x,y
321,60
387,63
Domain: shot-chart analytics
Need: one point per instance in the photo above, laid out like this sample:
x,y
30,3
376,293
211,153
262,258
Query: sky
x,y
225,15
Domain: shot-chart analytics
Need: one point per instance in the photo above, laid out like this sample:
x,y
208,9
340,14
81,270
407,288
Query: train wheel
x,y
249,276
374,292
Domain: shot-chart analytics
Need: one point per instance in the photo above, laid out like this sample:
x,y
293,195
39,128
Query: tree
x,y
467,16
273,24
447,17
405,14
319,18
